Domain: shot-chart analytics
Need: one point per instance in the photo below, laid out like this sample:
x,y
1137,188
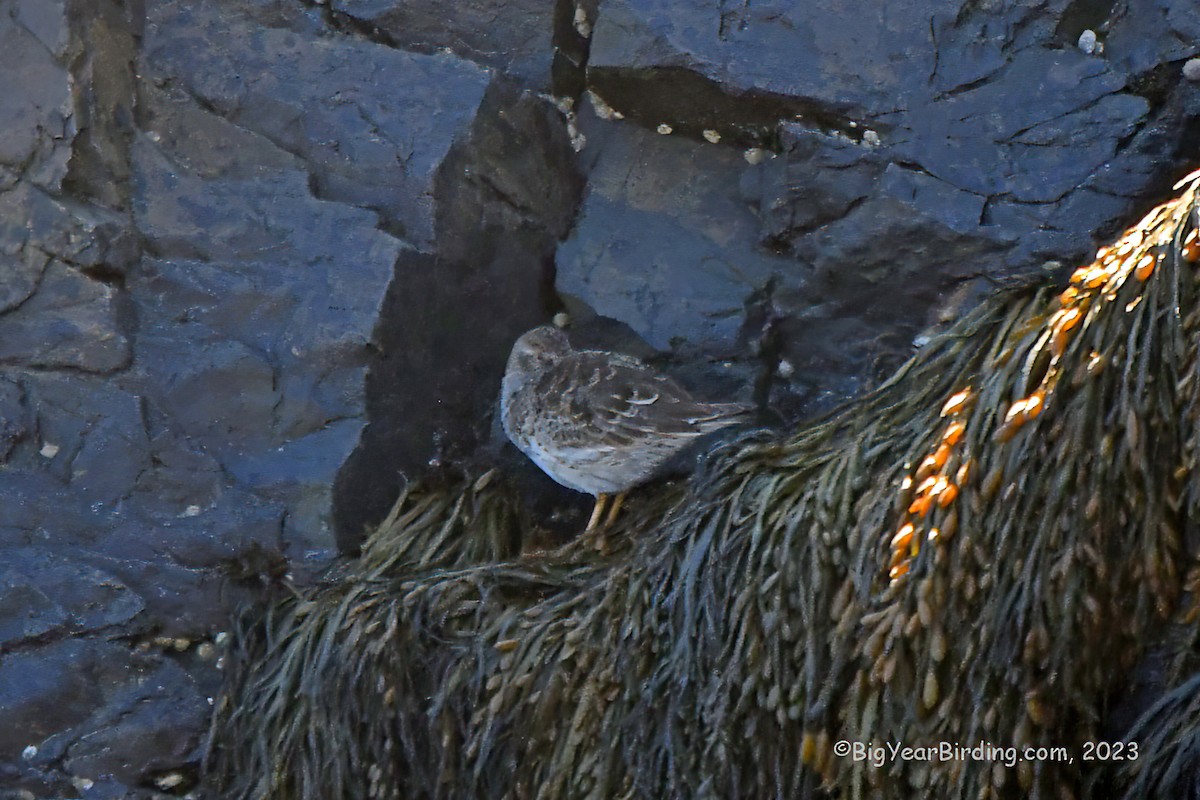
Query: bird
x,y
597,421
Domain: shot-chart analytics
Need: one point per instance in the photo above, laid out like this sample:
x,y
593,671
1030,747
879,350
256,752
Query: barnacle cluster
x,y
788,596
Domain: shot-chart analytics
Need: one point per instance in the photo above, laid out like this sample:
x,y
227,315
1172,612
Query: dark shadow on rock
x,y
504,197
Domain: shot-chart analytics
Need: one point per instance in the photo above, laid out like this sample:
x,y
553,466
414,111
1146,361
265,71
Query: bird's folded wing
x,y
617,400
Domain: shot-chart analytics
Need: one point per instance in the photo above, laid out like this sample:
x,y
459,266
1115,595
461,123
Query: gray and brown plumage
x,y
596,421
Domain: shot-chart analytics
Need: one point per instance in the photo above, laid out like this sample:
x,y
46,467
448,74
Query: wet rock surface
x,y
261,260
516,38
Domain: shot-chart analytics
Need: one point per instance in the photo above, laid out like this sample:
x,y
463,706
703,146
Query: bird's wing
x,y
616,400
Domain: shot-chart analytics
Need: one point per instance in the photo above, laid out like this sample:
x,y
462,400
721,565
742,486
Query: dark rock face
x,y
44,595
902,160
513,37
261,260
373,142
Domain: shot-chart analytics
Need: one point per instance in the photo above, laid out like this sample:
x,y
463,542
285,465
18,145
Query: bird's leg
x,y
597,512
613,509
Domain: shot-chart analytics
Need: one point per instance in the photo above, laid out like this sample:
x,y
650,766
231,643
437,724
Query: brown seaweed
x,y
976,552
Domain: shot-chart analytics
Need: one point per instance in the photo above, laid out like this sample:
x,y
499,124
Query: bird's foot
x,y
597,513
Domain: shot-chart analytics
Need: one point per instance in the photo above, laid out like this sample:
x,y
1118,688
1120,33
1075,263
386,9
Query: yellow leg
x,y
613,509
597,512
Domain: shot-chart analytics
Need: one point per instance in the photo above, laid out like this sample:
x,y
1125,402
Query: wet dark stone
x,y
817,179
180,600
90,435
54,688
849,62
41,592
305,18
514,37
148,726
201,372
69,321
931,86
46,21
26,611
178,479
1143,39
246,354
665,241
23,265
36,104
95,711
276,393
914,234
887,247
369,131
207,146
35,226
14,422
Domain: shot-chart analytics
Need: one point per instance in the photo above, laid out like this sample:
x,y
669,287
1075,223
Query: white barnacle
x,y
578,140
563,103
169,781
582,26
601,108
1088,41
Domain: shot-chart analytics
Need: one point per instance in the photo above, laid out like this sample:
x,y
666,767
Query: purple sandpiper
x,y
596,421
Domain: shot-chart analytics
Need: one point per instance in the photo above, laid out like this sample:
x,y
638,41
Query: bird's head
x,y
537,350
533,353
